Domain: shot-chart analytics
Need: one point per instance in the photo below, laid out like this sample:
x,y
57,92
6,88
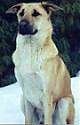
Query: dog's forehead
x,y
31,6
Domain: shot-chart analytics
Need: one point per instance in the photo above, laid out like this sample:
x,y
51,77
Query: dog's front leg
x,y
30,117
28,112
49,108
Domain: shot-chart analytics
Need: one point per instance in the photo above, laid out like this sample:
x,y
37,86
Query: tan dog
x,y
42,74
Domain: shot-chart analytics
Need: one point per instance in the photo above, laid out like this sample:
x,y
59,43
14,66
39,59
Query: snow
x,y
10,112
75,85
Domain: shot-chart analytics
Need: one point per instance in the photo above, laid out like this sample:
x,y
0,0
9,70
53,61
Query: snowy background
x,y
10,112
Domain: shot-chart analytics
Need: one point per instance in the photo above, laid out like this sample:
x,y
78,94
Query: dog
x,y
42,74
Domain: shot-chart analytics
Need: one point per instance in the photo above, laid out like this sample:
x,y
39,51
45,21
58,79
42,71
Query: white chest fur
x,y
27,56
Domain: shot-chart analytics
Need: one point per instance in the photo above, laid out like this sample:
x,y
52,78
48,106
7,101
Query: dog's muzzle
x,y
25,28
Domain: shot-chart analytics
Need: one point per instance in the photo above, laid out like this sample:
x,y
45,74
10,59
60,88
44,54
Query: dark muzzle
x,y
25,28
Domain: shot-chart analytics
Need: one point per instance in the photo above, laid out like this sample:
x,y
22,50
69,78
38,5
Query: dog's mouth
x,y
27,32
25,28
34,32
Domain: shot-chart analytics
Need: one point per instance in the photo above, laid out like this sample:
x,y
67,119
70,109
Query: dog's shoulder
x,y
50,49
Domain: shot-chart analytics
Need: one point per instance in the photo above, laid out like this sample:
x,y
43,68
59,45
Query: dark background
x,y
66,36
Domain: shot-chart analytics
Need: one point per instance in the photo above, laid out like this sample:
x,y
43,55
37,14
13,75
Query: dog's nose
x,y
41,123
25,28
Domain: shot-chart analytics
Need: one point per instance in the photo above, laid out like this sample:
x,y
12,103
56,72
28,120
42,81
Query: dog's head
x,y
33,18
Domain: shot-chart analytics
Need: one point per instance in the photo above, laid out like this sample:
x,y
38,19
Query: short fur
x,y
40,71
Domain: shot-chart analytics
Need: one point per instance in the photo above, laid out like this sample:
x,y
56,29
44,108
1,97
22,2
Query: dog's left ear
x,y
50,7
14,9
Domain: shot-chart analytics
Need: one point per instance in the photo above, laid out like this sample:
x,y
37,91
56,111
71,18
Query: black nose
x,y
41,123
25,28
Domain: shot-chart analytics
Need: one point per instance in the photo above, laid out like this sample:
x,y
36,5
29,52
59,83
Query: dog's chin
x,y
29,33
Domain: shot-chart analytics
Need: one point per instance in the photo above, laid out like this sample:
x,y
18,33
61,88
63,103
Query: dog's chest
x,y
27,58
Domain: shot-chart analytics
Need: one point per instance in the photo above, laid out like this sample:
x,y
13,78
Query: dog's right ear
x,y
50,7
14,9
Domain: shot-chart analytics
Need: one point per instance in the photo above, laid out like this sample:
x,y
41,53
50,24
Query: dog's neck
x,y
43,42
38,40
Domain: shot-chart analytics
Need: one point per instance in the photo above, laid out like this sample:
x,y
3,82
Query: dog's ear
x,y
50,7
14,9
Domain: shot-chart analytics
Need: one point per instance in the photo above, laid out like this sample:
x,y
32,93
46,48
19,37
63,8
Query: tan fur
x,y
41,72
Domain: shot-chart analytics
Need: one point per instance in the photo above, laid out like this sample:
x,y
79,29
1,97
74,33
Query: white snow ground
x,y
10,112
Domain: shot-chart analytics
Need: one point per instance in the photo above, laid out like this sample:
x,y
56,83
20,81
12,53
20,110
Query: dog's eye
x,y
21,13
35,13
